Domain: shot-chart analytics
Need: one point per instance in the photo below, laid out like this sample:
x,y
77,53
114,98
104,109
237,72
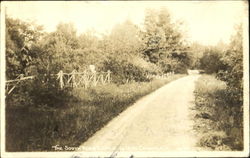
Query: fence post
x,y
95,79
60,77
87,78
102,79
19,77
73,78
109,76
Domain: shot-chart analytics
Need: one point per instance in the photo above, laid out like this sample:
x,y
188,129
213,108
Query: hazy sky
x,y
206,22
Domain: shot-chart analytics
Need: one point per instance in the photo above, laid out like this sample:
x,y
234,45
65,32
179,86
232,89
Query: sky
x,y
206,22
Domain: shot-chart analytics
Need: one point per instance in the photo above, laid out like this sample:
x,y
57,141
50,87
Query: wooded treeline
x,y
128,51
225,61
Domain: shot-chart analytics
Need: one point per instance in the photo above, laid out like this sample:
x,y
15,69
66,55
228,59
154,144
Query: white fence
x,y
160,76
74,79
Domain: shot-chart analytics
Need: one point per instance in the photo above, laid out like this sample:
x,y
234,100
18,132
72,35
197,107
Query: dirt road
x,y
159,121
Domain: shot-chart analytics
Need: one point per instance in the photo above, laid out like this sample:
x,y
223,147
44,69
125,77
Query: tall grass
x,y
217,120
38,128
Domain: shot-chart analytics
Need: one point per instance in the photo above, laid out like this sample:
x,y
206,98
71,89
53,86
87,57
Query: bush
x,y
232,74
211,61
227,103
38,92
221,128
123,71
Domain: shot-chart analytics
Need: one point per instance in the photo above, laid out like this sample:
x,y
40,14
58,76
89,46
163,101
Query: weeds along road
x,y
160,121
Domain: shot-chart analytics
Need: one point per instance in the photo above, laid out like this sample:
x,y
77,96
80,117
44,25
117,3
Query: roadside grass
x,y
216,119
34,128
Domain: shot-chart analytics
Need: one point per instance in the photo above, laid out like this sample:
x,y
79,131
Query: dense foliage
x,y
217,121
163,42
223,104
20,38
211,61
232,72
127,51
226,62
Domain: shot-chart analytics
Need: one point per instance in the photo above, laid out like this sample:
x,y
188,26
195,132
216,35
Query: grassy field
x,y
217,121
31,128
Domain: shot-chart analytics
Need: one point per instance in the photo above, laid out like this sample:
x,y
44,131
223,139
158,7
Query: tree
x,y
211,60
233,71
153,37
20,38
232,74
124,40
197,51
163,43
92,51
124,58
58,49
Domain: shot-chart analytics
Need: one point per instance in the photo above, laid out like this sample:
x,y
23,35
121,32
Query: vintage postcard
x,y
129,79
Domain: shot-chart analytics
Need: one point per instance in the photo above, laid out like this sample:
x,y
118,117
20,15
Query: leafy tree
x,y
197,51
66,33
92,51
59,49
20,37
233,71
232,74
124,58
163,43
29,52
124,40
211,60
89,39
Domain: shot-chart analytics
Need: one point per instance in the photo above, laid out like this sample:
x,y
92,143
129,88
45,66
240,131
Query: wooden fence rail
x,y
74,79
11,84
82,79
161,76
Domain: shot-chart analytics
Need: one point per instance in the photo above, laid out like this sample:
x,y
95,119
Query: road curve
x,y
160,121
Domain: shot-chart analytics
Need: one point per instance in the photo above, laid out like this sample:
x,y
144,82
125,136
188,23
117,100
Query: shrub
x,y
38,92
221,129
233,72
123,71
211,61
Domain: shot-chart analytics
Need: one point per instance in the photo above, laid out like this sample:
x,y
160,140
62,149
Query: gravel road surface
x,y
160,121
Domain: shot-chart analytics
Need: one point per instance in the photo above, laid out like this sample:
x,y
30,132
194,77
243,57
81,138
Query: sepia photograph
x,y
93,79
